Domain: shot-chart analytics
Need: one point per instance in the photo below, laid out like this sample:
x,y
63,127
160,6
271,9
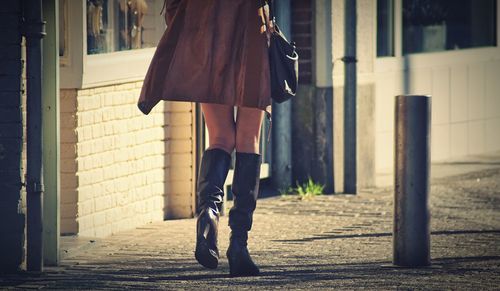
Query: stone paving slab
x,y
331,241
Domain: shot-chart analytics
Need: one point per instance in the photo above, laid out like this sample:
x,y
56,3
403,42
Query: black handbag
x,y
283,64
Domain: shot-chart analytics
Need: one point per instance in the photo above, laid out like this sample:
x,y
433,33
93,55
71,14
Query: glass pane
x,y
117,25
438,25
385,28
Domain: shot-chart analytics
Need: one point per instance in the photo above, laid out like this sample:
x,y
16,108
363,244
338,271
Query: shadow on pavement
x,y
149,273
385,234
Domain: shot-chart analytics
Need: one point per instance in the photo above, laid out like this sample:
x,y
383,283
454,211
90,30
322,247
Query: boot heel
x,y
240,262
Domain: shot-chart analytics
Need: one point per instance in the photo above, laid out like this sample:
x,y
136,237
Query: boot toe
x,y
206,256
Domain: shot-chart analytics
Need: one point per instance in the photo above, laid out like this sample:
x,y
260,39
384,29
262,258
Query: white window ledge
x,y
116,67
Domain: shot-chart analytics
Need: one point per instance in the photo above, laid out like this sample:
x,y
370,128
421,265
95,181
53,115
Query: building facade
x,y
120,169
449,50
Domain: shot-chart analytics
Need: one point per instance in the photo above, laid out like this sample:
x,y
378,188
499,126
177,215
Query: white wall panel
x,y
384,151
384,107
492,89
441,96
440,142
476,91
420,82
492,134
476,138
458,99
458,139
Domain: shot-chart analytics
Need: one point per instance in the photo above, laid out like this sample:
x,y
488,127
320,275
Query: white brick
x,y
69,166
68,210
181,173
68,136
69,181
69,196
68,151
99,218
178,106
119,156
180,146
69,226
184,159
181,118
67,120
181,131
86,207
176,187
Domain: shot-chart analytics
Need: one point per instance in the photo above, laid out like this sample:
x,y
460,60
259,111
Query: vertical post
x,y
281,142
34,31
51,154
411,233
350,141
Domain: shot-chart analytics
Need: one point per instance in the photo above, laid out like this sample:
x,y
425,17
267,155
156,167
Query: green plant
x,y
309,189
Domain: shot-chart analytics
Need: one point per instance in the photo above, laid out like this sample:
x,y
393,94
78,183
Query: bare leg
x,y
248,124
221,126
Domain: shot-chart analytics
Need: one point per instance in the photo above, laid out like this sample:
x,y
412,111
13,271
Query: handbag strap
x,y
271,11
271,15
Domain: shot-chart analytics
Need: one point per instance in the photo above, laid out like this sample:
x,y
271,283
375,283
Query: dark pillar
x,y
34,32
350,142
11,130
411,234
281,165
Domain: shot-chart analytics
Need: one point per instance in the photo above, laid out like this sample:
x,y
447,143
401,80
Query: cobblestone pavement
x,y
331,241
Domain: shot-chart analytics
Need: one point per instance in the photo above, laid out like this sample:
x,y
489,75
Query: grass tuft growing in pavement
x,y
305,191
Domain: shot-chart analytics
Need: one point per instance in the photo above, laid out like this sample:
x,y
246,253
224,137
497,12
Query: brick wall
x,y
302,33
12,216
119,168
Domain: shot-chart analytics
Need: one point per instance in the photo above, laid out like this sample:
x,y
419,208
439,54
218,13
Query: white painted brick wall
x,y
119,168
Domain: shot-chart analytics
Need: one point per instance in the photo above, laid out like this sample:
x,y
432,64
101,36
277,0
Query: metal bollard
x,y
411,229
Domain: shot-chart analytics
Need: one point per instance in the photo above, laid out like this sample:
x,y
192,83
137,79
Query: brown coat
x,y
213,51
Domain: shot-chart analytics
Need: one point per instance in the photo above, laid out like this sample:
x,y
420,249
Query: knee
x,y
247,141
225,142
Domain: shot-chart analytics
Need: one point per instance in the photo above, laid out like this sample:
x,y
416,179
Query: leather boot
x,y
212,174
245,190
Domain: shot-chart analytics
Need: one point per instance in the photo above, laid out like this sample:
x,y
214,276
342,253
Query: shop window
x,y
117,25
385,28
104,42
439,25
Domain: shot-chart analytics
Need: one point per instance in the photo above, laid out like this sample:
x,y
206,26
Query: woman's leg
x,y
248,124
213,171
219,119
245,190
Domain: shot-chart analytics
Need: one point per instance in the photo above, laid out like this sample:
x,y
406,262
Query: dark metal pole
x,y
350,142
281,167
411,237
34,31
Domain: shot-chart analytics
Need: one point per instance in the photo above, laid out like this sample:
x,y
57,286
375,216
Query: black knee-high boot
x,y
245,190
212,174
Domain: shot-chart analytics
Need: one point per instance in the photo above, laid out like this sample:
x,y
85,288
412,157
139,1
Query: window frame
x,y
393,37
80,70
398,36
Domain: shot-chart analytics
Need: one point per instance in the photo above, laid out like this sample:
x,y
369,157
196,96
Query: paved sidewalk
x,y
332,241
